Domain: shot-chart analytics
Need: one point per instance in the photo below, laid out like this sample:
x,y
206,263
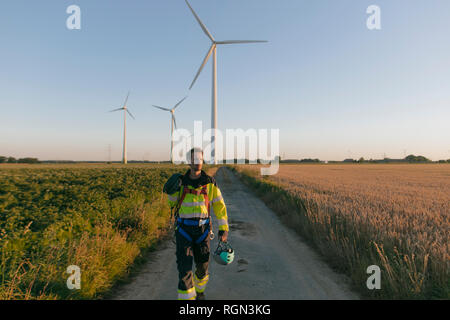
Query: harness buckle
x,y
202,222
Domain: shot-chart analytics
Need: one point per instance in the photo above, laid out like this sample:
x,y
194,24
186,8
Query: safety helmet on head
x,y
224,254
173,184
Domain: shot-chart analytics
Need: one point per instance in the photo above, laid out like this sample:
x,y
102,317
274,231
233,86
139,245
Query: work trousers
x,y
188,253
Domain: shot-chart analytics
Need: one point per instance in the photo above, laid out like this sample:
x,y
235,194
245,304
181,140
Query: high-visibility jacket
x,y
194,205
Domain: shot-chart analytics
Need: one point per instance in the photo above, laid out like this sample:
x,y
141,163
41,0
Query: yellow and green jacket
x,y
194,206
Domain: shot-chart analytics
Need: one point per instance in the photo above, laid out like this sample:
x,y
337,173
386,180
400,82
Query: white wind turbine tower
x,y
174,124
213,50
125,110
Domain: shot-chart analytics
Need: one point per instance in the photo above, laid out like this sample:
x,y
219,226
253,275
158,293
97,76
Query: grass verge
x,y
100,219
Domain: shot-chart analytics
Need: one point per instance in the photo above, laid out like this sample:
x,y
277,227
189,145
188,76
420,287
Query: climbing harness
x,y
189,222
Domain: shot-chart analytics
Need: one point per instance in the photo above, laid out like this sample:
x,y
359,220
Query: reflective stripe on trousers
x,y
200,284
189,294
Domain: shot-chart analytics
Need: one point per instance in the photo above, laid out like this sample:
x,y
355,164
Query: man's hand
x,y
223,236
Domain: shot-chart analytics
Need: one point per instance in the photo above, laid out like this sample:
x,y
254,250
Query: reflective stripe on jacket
x,y
194,205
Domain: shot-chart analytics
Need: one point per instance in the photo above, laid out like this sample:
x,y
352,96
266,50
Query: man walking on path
x,y
197,197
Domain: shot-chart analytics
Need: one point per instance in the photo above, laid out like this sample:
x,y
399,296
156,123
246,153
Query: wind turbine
x,y
213,50
125,110
174,123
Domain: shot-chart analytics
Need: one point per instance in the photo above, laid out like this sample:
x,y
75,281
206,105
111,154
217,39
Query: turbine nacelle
x,y
214,43
125,111
172,111
174,122
125,108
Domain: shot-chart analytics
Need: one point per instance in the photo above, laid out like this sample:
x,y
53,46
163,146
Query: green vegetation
x,y
413,159
98,217
21,160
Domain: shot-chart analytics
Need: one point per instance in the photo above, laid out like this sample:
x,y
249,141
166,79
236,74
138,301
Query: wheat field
x,y
395,216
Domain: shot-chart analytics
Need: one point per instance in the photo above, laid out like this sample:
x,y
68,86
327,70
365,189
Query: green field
x,y
98,217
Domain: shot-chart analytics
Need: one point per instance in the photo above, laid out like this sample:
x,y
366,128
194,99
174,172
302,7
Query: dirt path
x,y
271,261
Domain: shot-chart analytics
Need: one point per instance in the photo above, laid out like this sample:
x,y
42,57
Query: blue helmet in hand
x,y
224,254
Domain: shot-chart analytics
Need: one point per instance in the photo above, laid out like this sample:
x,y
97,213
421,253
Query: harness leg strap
x,y
184,234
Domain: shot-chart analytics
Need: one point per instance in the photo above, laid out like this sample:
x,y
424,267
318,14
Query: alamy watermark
x,y
374,20
235,146
73,22
374,281
74,280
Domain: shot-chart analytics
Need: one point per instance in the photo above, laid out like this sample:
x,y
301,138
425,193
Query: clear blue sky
x,y
332,87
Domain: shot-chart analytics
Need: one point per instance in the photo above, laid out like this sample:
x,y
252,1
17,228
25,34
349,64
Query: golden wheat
x,y
402,210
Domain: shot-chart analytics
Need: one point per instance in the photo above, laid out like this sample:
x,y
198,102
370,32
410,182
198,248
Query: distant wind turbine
x,y
174,123
125,110
212,50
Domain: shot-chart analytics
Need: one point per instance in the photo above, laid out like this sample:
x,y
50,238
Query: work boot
x,y
200,296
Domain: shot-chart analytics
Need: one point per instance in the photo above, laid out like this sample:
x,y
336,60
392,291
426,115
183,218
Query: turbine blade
x,y
130,114
116,109
174,121
240,41
126,100
205,30
165,109
203,64
179,103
